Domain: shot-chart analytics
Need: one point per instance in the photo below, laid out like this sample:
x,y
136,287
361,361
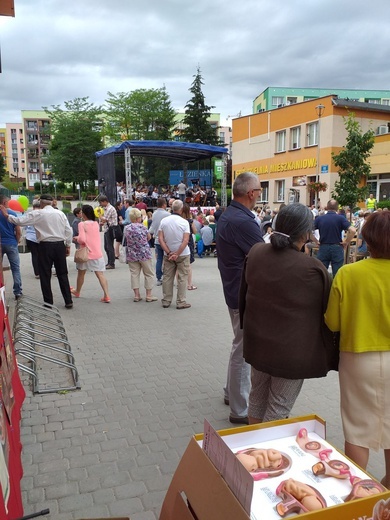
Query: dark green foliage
x,y
197,127
352,164
76,136
2,167
141,114
383,204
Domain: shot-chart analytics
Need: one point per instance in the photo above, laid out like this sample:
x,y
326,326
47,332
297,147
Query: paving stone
x,y
130,490
89,484
75,502
47,479
62,490
125,507
100,511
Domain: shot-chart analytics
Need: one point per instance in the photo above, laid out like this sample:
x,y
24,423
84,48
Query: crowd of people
x,y
291,319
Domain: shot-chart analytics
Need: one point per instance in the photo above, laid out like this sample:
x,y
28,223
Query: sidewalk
x,y
149,377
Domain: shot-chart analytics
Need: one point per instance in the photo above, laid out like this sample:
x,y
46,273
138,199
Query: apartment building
x,y
292,146
277,97
15,152
36,131
3,149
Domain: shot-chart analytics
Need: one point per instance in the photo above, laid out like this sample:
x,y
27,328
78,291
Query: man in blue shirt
x,y
10,236
237,232
331,225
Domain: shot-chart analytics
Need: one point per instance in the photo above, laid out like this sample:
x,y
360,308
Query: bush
x,y
61,186
67,205
37,186
66,210
384,204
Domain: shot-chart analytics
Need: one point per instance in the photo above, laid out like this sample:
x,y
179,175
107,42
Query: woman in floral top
x,y
139,255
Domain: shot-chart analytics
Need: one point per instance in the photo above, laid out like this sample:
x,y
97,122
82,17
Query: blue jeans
x,y
331,254
12,253
159,260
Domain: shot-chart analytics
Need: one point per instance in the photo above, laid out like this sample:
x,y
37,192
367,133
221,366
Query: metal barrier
x,y
41,340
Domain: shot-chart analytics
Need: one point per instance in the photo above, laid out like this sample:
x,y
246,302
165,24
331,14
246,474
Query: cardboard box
x,y
198,491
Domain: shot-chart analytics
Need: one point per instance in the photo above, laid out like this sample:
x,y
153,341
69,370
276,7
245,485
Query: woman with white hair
x,y
139,255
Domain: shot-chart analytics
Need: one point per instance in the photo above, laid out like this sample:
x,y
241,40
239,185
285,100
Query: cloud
x,y
54,51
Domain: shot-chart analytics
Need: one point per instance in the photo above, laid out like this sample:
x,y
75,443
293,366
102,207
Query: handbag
x,y
81,254
122,251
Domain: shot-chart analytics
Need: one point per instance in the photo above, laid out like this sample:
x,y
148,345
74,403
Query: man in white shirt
x,y
54,236
173,236
181,191
160,213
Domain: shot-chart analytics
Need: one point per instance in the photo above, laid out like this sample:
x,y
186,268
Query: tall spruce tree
x,y
195,121
352,164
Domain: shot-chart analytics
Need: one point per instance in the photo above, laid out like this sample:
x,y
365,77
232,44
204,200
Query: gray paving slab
x,y
149,377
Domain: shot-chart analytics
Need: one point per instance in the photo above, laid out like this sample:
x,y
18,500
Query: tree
x,y
141,114
2,168
76,136
352,164
196,124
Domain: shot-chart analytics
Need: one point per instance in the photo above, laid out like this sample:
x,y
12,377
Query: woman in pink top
x,y
89,236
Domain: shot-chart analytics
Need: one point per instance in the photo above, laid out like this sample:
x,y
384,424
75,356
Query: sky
x,y
57,50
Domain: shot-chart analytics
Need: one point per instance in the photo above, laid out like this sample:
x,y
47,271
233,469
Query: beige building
x,y
291,146
15,152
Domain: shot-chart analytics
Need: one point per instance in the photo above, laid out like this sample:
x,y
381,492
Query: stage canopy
x,y
187,152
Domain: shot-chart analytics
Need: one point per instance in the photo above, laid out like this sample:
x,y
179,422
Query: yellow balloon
x,y
24,202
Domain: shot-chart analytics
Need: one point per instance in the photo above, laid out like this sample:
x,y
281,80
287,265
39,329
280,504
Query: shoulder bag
x,y
81,254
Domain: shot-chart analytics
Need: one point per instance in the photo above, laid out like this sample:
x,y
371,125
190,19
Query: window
x,y
312,134
376,101
295,138
291,100
279,191
281,141
385,101
277,100
264,193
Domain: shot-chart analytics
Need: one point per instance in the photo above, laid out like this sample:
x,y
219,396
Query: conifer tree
x,y
196,125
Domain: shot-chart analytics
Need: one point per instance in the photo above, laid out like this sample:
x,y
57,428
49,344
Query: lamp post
x,y
320,110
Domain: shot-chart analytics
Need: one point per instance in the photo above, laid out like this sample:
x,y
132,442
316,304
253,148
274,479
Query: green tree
x,y
141,114
196,124
352,164
76,136
2,168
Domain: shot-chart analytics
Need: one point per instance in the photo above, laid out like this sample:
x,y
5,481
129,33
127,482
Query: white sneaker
x,y
159,282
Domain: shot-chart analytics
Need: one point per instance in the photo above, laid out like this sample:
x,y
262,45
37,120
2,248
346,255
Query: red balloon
x,y
15,205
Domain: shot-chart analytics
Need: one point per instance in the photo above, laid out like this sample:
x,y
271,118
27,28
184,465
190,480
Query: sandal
x,y
191,287
105,300
74,292
137,299
151,299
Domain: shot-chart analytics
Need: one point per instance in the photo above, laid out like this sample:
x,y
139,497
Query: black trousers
x,y
49,254
33,248
109,245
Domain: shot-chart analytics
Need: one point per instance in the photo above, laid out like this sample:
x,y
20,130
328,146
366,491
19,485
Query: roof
x,y
360,105
167,149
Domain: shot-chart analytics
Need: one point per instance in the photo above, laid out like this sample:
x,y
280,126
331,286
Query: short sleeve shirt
x,y
330,226
137,248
